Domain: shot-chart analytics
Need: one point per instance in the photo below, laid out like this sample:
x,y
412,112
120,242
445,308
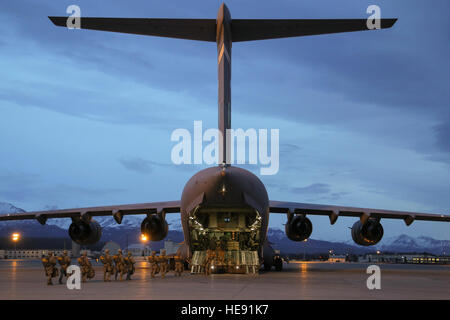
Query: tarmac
x,y
24,279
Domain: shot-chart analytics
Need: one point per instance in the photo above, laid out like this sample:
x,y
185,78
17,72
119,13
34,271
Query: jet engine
x,y
367,234
299,228
154,227
85,233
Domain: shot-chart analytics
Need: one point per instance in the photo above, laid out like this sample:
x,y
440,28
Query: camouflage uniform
x,y
129,263
64,261
153,260
213,243
209,261
120,265
87,272
220,256
179,266
51,271
108,266
163,263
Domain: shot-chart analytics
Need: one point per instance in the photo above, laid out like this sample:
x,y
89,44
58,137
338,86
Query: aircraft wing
x,y
333,212
192,29
115,211
261,29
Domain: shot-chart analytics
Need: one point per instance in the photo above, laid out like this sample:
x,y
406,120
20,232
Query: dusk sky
x,y
364,118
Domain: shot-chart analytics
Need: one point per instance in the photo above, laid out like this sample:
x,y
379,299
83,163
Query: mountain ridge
x,y
129,231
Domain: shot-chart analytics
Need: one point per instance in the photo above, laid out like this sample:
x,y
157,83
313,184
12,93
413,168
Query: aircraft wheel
x,y
278,264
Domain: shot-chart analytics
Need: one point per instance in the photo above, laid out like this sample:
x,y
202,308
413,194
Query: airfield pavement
x,y
23,279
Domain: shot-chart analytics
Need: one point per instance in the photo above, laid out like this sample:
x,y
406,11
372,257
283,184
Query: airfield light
x,y
15,237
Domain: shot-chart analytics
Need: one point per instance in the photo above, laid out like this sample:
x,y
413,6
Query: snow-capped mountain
x,y
130,227
128,222
9,208
405,243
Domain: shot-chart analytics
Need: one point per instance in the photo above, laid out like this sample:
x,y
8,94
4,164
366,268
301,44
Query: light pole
x,y
15,237
144,240
304,249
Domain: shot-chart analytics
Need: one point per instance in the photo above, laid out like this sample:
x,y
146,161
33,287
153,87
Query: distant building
x,y
337,258
406,258
112,246
171,247
139,249
32,253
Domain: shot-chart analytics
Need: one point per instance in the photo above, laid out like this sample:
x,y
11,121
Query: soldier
x,y
209,261
163,263
51,271
179,266
108,265
250,242
87,272
153,260
243,241
220,256
213,243
223,242
64,261
120,264
129,262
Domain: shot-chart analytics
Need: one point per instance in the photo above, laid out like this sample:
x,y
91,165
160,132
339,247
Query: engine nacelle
x,y
299,228
154,227
85,233
368,234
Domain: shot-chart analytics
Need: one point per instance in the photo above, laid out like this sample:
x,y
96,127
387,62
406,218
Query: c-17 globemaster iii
x,y
226,208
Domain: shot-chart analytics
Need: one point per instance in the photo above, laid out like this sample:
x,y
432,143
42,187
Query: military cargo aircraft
x,y
226,208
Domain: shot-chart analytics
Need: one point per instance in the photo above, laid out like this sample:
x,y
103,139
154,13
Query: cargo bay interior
x,y
225,240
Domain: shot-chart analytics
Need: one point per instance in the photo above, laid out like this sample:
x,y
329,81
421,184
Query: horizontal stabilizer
x,y
241,29
191,29
250,29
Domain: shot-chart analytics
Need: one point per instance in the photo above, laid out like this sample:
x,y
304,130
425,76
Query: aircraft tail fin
x,y
261,29
190,29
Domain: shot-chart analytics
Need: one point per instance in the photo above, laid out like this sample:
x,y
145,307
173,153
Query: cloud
x,y
315,188
144,166
24,187
443,136
138,165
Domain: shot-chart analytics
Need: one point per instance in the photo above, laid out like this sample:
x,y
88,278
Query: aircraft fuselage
x,y
228,203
